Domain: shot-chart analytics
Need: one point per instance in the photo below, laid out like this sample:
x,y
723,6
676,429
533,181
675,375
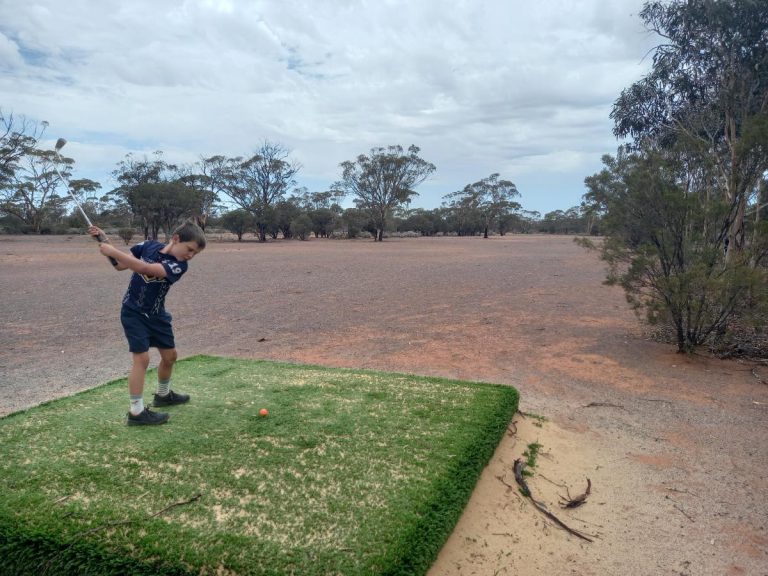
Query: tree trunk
x,y
735,238
381,225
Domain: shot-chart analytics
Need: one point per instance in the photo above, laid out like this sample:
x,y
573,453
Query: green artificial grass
x,y
352,472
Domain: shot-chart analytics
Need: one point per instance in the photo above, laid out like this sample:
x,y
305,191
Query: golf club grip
x,y
103,238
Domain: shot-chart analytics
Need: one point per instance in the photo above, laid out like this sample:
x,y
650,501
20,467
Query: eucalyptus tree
x,y
237,221
213,178
286,212
86,191
160,195
462,218
18,137
193,178
708,88
176,201
259,182
602,186
26,186
31,193
563,221
664,246
425,222
383,181
519,221
137,178
489,198
131,171
301,227
323,209
528,220
355,221
330,199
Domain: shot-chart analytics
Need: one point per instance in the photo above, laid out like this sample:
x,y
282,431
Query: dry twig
x,y
604,404
507,484
519,467
578,500
676,505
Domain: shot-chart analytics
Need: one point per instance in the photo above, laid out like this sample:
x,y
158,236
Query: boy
x,y
156,266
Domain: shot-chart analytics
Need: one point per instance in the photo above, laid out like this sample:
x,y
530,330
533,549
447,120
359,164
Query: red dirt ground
x,y
676,447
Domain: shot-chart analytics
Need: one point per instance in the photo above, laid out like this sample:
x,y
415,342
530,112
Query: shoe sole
x,y
136,423
163,405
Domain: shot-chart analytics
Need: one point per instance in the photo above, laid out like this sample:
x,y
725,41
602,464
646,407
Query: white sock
x,y
163,387
137,405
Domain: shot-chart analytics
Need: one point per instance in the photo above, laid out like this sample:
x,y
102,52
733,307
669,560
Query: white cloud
x,y
10,58
481,86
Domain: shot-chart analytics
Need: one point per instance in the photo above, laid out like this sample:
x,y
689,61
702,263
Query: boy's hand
x,y
108,250
98,234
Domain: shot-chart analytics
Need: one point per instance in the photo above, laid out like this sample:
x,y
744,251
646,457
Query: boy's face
x,y
184,251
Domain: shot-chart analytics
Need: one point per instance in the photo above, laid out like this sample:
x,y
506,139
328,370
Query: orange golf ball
x,y
263,412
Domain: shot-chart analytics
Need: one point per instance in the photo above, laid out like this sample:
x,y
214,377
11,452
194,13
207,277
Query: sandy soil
x,y
676,448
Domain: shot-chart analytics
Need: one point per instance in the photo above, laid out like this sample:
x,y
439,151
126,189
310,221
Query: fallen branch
x,y
579,500
115,524
507,484
604,404
126,522
519,468
676,505
683,512
181,503
553,482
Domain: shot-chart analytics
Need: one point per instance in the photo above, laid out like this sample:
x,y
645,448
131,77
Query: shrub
x,y
126,234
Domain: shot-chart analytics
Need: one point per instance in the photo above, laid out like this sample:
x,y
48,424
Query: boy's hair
x,y
189,231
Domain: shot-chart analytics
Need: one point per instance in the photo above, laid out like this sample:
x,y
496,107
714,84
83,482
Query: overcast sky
x,y
519,87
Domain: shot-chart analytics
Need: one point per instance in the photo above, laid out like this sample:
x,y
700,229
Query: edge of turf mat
x,y
40,548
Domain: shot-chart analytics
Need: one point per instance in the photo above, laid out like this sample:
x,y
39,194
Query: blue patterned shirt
x,y
146,294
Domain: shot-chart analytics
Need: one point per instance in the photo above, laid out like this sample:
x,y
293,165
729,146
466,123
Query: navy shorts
x,y
146,330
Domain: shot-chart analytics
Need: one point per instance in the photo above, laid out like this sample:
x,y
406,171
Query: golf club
x,y
101,237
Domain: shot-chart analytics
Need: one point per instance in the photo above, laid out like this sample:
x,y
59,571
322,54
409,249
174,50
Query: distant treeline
x,y
254,194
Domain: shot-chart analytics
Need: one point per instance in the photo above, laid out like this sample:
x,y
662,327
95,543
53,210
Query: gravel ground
x,y
676,447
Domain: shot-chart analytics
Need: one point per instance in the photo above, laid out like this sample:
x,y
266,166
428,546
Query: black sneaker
x,y
147,418
170,399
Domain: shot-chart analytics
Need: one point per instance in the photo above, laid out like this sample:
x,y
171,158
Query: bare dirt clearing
x,y
676,448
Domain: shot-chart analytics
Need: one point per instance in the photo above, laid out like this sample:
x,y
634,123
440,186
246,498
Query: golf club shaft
x,y
87,220
101,237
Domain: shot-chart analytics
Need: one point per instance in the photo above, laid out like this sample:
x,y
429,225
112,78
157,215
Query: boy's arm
x,y
126,261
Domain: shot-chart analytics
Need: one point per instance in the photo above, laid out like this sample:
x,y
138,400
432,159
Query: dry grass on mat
x,y
352,472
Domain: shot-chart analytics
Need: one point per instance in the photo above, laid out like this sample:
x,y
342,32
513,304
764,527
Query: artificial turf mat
x,y
352,472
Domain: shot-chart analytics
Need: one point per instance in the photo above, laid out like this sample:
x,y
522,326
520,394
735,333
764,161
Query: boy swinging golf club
x,y
155,266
